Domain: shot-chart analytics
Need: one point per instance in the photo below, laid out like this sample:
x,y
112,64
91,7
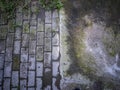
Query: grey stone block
x,y
40,38
23,70
2,46
10,38
19,18
38,84
31,63
17,47
24,54
25,40
1,61
7,69
47,44
31,78
55,68
55,52
15,78
8,54
55,38
23,84
39,69
48,17
32,47
39,53
6,84
47,59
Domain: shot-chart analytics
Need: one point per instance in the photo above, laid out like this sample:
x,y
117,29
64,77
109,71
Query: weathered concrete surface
x,y
89,46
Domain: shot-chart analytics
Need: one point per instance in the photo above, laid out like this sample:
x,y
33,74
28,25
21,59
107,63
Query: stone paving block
x,y
1,76
32,32
26,26
19,9
47,59
47,79
18,32
1,61
34,7
32,47
48,30
31,63
55,67
38,84
31,78
7,69
23,84
55,52
33,22
47,44
16,62
39,53
48,87
55,14
6,84
26,14
17,47
8,54
19,18
39,69
11,24
10,38
55,24
25,40
15,78
40,25
14,88
48,17
3,31
33,16
31,88
2,46
3,20
54,84
55,38
24,54
23,70
40,38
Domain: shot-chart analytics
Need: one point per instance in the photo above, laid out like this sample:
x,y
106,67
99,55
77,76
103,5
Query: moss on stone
x,y
16,62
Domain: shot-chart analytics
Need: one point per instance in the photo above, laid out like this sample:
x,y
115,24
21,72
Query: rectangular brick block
x,y
55,68
17,47
55,53
7,69
1,76
6,84
23,70
38,84
16,62
55,38
24,54
23,84
47,59
31,63
32,32
18,32
1,61
39,53
47,79
48,30
8,54
18,18
2,46
26,26
15,78
40,38
48,17
10,38
47,44
40,25
31,78
39,69
25,40
32,47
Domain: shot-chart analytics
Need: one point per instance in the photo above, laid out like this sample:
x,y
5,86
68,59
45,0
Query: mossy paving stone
x,y
16,62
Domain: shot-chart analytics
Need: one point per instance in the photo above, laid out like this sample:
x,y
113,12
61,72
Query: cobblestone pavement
x,y
29,49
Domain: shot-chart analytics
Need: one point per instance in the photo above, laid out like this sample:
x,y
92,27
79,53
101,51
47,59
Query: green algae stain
x,y
16,62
